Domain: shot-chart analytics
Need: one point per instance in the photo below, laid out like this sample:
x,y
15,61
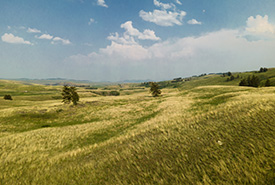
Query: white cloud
x,y
102,3
163,17
163,5
178,2
259,28
33,30
131,52
58,39
45,36
10,38
146,35
211,52
193,21
91,21
259,24
126,39
131,33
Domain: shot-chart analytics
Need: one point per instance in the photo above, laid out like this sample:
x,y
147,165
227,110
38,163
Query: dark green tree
x,y
69,95
155,91
267,83
66,94
243,82
255,81
7,97
74,95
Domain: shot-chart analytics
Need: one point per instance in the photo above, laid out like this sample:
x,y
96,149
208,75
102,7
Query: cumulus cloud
x,y
102,3
163,17
131,52
63,41
213,52
45,36
217,51
259,28
10,38
146,35
33,30
194,21
131,34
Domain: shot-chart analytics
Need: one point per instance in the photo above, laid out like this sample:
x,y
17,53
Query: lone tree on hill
x,y
155,89
69,95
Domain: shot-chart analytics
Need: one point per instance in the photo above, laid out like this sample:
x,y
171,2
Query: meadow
x,y
204,131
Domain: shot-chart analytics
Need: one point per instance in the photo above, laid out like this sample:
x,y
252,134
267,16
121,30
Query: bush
x,y
7,97
114,93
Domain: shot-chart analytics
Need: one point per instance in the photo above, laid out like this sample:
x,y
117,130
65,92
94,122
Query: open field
x,y
194,134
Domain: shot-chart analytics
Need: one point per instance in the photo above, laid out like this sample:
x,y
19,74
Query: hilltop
x,y
201,130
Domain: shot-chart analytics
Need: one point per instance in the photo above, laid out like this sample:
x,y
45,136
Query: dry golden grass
x,y
204,135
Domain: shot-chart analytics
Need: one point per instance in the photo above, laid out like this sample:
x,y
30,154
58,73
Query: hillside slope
x,y
202,135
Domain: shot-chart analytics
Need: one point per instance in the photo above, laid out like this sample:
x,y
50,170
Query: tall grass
x,y
202,135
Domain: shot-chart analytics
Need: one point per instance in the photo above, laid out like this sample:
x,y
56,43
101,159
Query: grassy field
x,y
207,131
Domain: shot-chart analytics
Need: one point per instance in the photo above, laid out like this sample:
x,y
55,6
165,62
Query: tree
x,y
7,97
262,70
69,95
243,82
155,89
267,83
75,97
255,81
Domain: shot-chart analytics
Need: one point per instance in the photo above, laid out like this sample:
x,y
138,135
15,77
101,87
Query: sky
x,y
116,40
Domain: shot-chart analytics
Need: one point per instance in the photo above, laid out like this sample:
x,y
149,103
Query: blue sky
x,y
107,40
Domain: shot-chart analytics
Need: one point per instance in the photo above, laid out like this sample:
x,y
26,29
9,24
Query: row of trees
x,y
253,81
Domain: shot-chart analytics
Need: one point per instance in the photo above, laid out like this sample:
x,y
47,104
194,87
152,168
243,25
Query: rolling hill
x,y
204,130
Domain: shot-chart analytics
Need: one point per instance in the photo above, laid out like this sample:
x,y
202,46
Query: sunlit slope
x,y
211,134
219,79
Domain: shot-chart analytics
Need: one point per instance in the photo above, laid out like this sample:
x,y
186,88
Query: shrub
x,y
114,93
7,97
